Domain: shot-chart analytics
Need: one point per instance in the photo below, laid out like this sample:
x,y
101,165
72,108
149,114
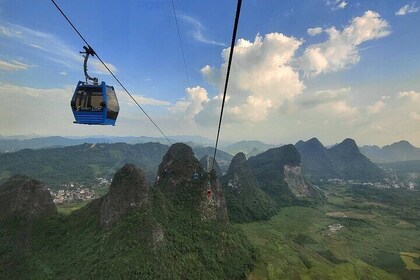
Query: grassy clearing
x,y
70,207
306,243
409,260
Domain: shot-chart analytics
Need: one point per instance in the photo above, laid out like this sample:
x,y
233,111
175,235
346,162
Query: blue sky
x,y
326,68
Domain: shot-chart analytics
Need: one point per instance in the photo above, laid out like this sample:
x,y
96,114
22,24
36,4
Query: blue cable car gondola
x,y
94,104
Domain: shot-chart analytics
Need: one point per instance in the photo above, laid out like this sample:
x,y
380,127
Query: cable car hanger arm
x,y
88,51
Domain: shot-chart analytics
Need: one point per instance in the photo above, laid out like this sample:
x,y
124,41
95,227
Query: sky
x,y
331,69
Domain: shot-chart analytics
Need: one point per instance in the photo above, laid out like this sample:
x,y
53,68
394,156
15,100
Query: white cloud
x,y
34,110
198,31
99,68
314,31
323,97
124,98
9,32
49,46
13,65
261,79
341,48
342,5
407,9
377,107
336,4
409,95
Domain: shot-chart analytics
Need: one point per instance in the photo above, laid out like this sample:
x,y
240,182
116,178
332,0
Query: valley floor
x,y
357,234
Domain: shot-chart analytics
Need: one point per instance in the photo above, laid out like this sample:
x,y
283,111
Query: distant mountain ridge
x,y
248,147
11,144
398,151
342,161
83,163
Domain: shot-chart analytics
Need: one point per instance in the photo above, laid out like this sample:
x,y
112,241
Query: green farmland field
x,y
361,237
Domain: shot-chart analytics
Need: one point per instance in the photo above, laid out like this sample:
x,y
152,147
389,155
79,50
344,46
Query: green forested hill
x,y
133,232
245,200
82,163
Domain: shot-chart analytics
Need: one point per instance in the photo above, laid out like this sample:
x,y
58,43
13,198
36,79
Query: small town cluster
x,y
73,192
387,183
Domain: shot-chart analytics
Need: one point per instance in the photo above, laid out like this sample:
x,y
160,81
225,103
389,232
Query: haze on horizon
x,y
330,69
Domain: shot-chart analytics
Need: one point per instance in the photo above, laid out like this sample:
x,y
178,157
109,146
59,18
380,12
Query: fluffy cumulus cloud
x,y
189,107
261,80
341,48
268,99
407,9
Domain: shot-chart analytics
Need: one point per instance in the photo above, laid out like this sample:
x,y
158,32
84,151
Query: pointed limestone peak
x,y
25,197
129,190
238,163
347,146
179,163
314,142
403,144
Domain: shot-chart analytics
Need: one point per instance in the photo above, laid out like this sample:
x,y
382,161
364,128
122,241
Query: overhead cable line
x,y
184,59
109,70
180,44
232,46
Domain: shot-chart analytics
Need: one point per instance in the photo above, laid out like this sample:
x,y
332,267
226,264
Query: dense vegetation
x,y
75,246
134,232
82,163
245,200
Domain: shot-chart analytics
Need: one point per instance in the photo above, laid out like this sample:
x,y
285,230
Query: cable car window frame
x,y
82,100
112,103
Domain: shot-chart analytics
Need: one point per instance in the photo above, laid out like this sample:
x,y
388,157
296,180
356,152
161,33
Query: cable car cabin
x,y
95,104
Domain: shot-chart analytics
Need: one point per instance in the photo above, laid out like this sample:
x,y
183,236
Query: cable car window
x,y
112,100
95,100
113,108
81,98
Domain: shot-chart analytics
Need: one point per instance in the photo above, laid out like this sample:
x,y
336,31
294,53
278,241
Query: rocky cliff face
x,y
279,174
24,197
294,179
181,174
128,191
